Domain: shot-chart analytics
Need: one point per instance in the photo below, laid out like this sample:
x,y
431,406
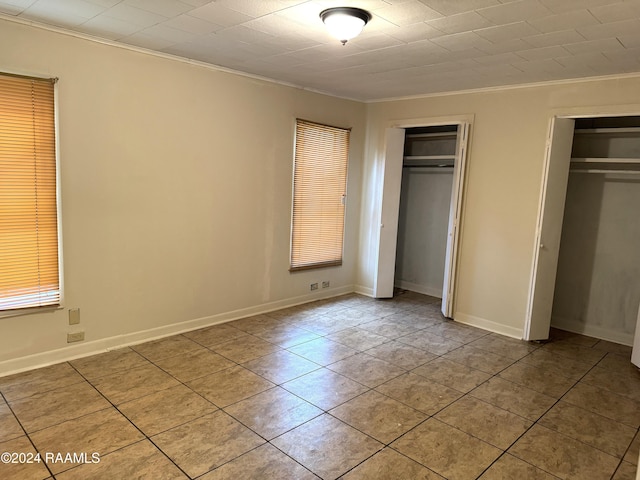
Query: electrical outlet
x,y
74,316
314,286
75,337
325,284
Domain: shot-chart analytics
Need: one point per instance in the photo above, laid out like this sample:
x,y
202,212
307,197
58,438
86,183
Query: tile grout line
x,y
440,356
504,451
221,409
385,313
26,434
327,412
493,376
433,416
145,436
560,433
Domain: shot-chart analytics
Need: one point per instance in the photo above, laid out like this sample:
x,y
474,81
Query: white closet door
x,y
551,213
454,221
390,206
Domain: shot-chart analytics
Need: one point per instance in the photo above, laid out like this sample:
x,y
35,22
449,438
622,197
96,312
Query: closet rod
x,y
431,135
429,157
598,170
433,167
604,160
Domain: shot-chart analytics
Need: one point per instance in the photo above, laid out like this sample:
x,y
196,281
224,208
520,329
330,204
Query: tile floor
x,y
350,387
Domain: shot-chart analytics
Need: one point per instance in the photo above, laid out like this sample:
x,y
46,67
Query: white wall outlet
x,y
74,316
325,284
314,286
75,337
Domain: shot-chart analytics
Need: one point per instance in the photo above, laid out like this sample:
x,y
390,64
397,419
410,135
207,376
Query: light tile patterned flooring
x,y
349,387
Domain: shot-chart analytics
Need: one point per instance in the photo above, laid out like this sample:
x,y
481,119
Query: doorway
x,y
587,266
410,256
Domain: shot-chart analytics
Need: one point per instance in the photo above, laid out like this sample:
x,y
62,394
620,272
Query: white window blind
x,y
319,189
28,211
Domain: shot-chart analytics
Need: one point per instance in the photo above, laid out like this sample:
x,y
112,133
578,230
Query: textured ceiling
x,y
410,47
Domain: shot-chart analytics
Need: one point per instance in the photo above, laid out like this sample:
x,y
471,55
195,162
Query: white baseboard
x,y
594,331
363,290
485,324
424,289
85,349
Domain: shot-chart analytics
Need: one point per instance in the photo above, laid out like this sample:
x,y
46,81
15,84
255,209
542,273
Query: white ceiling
x,y
410,47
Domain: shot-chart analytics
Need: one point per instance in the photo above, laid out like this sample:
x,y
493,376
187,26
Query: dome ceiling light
x,y
345,23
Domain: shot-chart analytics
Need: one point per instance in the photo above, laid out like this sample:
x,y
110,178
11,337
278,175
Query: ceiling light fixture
x,y
345,23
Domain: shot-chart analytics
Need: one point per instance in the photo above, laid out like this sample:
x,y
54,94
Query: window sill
x,y
315,266
29,311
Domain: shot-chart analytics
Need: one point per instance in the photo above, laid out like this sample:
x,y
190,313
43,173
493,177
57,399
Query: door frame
x,y
390,205
574,113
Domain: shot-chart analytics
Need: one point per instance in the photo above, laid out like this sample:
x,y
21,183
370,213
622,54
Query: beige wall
x,y
176,193
505,162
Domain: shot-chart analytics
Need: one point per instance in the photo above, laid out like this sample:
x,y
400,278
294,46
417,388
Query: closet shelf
x,y
429,157
605,165
431,135
431,167
429,161
583,131
604,160
601,170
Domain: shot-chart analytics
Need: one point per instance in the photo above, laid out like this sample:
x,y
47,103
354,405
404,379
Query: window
x,y
319,188
29,273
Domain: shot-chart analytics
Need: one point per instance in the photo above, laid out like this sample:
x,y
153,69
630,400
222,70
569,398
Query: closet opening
x,y
422,199
586,276
423,219
597,288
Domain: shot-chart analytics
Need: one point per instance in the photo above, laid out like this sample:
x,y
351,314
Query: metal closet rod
x,y
602,170
434,167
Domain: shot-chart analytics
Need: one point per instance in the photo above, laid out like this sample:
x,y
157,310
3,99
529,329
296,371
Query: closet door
x,y
388,236
547,243
454,221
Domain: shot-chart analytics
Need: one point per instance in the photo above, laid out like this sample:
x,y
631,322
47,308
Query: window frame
x,y
28,310
295,264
